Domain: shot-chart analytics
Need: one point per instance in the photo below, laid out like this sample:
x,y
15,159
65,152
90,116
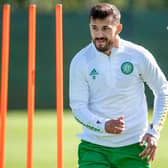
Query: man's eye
x,y
105,28
94,28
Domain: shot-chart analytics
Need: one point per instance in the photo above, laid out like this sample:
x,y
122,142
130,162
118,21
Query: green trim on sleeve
x,y
88,126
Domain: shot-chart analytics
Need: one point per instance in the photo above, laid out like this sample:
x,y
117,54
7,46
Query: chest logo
x,y
127,68
93,73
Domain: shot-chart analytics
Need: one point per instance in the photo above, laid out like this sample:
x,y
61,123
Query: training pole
x,y
31,82
4,80
59,84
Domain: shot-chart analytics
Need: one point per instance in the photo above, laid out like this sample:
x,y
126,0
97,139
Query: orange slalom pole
x,y
31,82
59,84
4,80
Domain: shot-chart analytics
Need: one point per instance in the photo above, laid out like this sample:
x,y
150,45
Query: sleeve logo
x,y
127,68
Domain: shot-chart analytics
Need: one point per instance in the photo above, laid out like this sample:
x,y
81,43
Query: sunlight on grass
x,y
44,145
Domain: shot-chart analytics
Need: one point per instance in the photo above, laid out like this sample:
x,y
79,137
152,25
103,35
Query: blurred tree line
x,y
78,5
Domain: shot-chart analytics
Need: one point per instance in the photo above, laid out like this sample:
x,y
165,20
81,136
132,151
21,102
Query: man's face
x,y
103,33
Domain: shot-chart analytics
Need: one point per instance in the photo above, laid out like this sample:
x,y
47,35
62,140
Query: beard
x,y
103,44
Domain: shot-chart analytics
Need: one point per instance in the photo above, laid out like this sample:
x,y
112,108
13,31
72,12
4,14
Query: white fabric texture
x,y
105,87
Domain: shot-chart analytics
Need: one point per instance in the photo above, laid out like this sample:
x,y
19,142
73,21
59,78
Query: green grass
x,y
44,144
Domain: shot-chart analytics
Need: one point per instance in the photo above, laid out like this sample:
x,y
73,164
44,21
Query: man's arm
x,y
156,80
79,98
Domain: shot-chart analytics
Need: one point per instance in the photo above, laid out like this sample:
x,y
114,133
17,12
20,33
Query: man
x,y
107,96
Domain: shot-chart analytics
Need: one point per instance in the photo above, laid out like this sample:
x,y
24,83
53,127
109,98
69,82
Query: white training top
x,y
106,87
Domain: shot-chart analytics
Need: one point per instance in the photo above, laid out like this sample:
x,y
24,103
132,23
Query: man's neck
x,y
115,45
116,42
108,53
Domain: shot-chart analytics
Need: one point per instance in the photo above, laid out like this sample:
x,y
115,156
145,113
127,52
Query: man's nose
x,y
99,34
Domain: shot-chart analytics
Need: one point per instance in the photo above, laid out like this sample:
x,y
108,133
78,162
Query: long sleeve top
x,y
106,87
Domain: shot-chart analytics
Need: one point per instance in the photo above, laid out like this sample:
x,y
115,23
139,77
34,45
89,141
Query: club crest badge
x,y
127,68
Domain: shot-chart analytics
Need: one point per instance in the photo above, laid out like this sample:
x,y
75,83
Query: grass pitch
x,y
44,144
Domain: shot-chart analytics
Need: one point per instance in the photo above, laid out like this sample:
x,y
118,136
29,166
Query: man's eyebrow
x,y
92,24
100,25
104,25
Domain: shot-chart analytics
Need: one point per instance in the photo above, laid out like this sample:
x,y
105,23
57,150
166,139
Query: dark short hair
x,y
103,10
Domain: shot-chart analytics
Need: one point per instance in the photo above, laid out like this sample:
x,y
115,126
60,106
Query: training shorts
x,y
97,156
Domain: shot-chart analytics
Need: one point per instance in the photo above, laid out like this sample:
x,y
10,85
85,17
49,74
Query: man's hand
x,y
115,126
151,147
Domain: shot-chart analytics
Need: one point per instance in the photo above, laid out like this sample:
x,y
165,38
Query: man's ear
x,y
119,28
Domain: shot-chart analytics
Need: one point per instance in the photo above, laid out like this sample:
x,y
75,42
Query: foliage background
x,y
78,5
